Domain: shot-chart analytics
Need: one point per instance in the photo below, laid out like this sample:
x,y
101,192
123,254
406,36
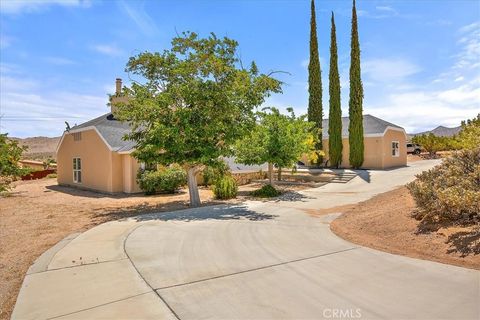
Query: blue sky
x,y
59,59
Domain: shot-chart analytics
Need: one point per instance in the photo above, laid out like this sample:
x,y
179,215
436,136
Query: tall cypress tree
x,y
315,112
335,111
355,108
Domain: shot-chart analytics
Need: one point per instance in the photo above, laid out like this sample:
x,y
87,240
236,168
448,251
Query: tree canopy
x,y
335,145
315,109
469,136
355,103
10,154
277,139
192,103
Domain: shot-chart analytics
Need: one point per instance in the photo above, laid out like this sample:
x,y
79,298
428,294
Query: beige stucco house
x,y
94,155
385,143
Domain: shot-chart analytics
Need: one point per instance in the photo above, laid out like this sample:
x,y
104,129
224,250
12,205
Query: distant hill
x,y
439,131
39,148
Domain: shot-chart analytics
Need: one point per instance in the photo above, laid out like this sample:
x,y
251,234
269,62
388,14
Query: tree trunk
x,y
279,176
193,187
270,173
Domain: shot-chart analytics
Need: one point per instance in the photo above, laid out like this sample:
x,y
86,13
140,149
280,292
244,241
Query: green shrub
x,y
51,175
212,173
451,190
225,188
267,191
166,180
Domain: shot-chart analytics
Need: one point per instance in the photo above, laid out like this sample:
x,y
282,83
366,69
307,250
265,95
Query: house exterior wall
x,y
102,169
390,161
95,160
372,156
117,172
130,169
378,151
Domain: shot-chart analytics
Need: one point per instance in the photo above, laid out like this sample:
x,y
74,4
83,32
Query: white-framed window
x,y
395,149
77,170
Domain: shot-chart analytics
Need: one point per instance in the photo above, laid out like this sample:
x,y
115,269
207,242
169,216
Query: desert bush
x,y
225,187
451,190
267,191
166,179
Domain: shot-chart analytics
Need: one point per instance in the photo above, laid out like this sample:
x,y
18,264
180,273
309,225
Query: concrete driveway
x,y
260,260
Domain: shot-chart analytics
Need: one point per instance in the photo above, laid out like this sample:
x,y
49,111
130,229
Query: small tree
x,y
355,103
431,143
335,145
10,154
277,140
197,100
315,109
469,136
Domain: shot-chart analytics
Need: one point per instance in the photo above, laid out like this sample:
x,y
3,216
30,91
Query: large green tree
x,y
315,111
192,103
10,154
335,146
355,103
277,139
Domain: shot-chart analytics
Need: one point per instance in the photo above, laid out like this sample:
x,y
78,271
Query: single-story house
x,y
385,143
93,155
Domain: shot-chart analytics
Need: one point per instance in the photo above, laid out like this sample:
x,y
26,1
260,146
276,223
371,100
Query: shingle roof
x,y
371,125
111,130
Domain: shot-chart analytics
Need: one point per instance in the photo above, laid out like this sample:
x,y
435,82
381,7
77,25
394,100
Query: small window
x,y
395,149
77,170
77,136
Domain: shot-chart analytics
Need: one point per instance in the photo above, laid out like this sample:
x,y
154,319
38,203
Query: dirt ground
x,y
39,213
385,223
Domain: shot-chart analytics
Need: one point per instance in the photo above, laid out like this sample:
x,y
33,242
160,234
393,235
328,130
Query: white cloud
x,y
107,49
385,8
385,12
30,108
59,61
139,16
470,27
452,97
388,69
30,6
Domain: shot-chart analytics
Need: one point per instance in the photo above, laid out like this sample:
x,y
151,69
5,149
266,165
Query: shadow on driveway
x,y
179,211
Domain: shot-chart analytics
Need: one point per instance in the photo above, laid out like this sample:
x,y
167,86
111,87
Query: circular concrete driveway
x,y
259,260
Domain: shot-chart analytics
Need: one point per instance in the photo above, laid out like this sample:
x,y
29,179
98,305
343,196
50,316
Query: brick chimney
x,y
118,86
117,97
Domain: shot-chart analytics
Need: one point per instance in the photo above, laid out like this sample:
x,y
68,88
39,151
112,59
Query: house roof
x,y
371,125
111,130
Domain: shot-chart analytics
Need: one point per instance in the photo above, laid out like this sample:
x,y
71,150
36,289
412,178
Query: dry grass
x,y
386,223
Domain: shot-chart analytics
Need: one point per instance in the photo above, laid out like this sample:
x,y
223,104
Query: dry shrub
x,y
450,192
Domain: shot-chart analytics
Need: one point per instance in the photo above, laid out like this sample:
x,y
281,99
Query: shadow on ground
x,y
98,194
219,212
179,211
464,242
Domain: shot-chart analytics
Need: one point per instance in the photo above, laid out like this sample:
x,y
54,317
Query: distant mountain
x,y
439,131
39,148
